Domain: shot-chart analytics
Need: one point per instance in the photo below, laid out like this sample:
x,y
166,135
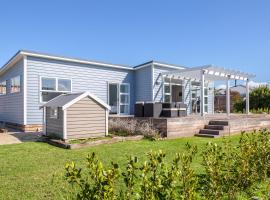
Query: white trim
x,y
65,124
44,121
85,94
106,123
247,97
158,64
121,93
25,90
56,87
168,65
228,96
202,93
73,60
152,81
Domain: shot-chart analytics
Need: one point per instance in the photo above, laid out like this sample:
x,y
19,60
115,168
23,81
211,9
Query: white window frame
x,y
206,96
53,113
11,92
5,81
124,93
56,86
119,96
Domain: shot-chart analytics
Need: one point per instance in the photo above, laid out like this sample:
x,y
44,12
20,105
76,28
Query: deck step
x,y
206,135
209,131
214,127
219,122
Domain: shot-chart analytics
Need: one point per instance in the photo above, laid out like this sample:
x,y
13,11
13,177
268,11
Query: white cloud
x,y
254,84
221,86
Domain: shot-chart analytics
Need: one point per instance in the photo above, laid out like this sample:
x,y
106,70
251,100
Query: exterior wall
x,y
86,119
143,88
84,78
11,104
54,127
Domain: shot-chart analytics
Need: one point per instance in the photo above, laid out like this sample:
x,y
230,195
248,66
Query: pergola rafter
x,y
212,73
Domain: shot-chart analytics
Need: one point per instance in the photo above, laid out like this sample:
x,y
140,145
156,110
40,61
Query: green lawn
x,y
35,170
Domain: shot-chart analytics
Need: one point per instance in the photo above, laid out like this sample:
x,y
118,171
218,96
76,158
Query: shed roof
x,y
66,100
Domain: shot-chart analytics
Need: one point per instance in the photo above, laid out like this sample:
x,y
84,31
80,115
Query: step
x,y
214,127
219,122
206,135
209,131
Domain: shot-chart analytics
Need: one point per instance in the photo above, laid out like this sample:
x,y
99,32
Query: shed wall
x,y
86,119
54,127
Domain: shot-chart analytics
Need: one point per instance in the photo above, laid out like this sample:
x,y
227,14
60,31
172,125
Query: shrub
x,y
229,170
125,127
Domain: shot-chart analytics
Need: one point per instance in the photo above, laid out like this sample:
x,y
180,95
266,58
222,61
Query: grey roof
x,y
61,100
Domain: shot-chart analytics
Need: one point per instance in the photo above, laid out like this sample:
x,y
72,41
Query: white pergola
x,y
212,73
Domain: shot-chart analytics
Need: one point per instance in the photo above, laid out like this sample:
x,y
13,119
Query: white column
x,y
247,96
202,93
162,85
228,96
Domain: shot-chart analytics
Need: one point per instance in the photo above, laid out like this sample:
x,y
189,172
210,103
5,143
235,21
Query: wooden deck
x,y
191,125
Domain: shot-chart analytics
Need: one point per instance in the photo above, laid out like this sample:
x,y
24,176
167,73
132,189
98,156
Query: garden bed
x,y
90,142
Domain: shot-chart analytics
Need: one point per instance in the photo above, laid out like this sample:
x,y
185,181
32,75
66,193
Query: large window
x,y
3,87
15,84
53,87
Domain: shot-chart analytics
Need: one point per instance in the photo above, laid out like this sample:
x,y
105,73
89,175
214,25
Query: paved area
x,y
15,137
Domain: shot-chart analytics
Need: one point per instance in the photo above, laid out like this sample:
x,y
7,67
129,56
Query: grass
x,y
35,170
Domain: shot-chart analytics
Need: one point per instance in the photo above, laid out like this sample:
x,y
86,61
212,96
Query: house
x,y
30,79
73,116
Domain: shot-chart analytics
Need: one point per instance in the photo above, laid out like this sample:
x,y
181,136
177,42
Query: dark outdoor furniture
x,y
152,109
170,112
168,105
182,112
139,109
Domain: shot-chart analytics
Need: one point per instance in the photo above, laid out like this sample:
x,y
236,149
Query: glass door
x,y
119,98
113,98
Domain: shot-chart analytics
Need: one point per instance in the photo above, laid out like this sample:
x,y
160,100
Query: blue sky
x,y
230,33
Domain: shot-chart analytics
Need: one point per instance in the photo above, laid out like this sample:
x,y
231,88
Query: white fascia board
x,y
168,66
73,60
85,94
11,63
24,90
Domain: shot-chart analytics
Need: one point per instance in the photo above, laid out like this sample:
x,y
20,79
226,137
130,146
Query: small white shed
x,y
75,116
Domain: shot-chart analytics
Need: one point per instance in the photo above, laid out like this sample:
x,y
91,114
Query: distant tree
x,y
259,101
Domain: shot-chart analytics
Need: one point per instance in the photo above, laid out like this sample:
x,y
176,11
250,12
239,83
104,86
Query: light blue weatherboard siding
x,y
143,82
11,104
84,78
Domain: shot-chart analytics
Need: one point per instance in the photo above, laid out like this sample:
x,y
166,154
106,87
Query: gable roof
x,y
64,101
158,63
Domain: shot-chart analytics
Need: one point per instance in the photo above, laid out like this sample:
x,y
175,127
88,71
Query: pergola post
x,y
162,85
202,92
228,96
247,96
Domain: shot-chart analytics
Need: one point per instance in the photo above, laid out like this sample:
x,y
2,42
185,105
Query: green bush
x,y
229,171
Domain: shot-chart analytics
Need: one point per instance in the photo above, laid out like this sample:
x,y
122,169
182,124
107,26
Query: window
x,y
15,84
3,88
64,85
124,98
53,87
53,113
48,84
167,92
